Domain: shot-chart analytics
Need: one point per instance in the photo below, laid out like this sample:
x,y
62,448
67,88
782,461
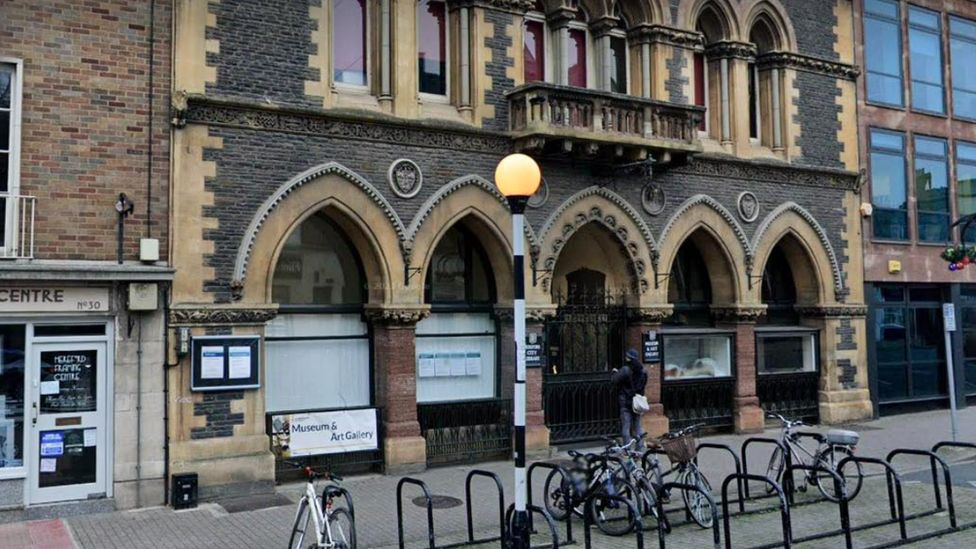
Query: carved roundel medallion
x,y
541,196
405,178
653,198
748,206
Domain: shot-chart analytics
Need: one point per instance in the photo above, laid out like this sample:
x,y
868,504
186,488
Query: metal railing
x,y
542,108
18,226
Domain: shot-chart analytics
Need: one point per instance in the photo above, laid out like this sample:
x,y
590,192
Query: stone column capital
x,y
221,314
834,311
655,314
540,313
400,315
738,314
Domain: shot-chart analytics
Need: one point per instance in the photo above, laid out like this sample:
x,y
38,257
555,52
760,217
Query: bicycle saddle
x,y
840,436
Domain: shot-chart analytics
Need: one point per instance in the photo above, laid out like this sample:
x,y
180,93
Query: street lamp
x,y
518,177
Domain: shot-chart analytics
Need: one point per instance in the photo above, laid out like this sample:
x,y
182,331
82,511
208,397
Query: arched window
x,y
319,335
577,52
534,44
616,56
432,61
779,290
782,345
765,102
457,343
349,51
691,349
712,77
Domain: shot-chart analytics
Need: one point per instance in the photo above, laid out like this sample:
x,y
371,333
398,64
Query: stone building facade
x,y
916,116
700,161
84,118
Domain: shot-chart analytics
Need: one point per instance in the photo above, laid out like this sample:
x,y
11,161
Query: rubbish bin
x,y
184,491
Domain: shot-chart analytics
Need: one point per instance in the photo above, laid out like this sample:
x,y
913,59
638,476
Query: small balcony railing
x,y
542,114
17,226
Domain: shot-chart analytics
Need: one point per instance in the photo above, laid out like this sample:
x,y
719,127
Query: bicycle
x,y
831,449
333,527
647,490
591,478
682,452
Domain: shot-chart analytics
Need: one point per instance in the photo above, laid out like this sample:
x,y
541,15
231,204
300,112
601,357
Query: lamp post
x,y
517,177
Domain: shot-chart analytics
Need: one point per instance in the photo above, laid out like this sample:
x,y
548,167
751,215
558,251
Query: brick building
x,y
84,118
333,211
917,119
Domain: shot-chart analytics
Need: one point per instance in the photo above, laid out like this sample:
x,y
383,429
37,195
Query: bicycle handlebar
x,y
786,422
310,473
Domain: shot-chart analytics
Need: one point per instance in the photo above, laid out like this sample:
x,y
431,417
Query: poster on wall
x,y
222,363
68,381
318,433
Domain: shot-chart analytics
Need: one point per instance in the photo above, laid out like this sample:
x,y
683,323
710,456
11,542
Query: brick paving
x,y
375,504
38,534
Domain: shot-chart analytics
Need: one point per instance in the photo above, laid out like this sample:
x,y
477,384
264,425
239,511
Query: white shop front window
x,y
780,351
318,347
697,356
457,344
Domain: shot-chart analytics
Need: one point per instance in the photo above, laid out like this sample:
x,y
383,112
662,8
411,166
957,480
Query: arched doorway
x,y
698,374
787,362
592,282
318,347
461,415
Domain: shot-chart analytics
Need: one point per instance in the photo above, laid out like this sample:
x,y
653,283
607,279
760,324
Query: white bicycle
x,y
332,527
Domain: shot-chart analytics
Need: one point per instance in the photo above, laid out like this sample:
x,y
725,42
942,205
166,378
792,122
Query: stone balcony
x,y
604,126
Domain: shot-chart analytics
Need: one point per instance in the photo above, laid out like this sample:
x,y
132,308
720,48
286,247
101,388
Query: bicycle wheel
x,y
696,503
611,515
852,475
647,499
342,528
302,522
774,471
557,502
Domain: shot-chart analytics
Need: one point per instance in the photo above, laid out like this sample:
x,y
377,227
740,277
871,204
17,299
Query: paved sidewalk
x,y
375,501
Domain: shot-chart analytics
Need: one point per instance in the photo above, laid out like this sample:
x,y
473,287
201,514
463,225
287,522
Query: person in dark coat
x,y
628,381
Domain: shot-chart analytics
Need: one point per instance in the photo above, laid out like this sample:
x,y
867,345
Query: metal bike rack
x,y
845,517
896,502
933,460
468,506
567,488
638,521
532,509
430,510
784,508
745,460
335,490
952,444
735,460
716,536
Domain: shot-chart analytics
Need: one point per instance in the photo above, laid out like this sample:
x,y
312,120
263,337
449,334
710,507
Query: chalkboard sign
x,y
652,347
68,381
223,363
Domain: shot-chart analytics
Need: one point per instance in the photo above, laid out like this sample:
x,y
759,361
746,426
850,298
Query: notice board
x,y
225,363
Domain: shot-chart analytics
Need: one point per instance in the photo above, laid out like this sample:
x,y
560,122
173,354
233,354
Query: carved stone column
x,y
395,366
749,417
647,319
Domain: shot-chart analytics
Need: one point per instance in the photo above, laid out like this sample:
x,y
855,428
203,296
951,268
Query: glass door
x,y
67,422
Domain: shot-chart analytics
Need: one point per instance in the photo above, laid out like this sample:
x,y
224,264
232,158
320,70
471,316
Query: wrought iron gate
x,y
466,431
794,395
585,341
707,401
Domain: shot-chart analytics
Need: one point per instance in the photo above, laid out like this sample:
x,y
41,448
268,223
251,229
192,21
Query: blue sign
x,y
52,443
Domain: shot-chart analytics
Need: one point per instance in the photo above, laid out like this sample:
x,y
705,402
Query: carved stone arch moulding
x,y
786,207
269,205
583,211
706,200
440,195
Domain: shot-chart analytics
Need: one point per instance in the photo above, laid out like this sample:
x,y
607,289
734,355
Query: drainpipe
x,y
139,412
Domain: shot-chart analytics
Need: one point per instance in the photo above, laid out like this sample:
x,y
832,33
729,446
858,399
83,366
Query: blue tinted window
x,y
882,46
925,48
962,45
932,189
888,185
966,184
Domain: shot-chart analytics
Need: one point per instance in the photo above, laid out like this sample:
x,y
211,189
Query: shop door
x,y
68,441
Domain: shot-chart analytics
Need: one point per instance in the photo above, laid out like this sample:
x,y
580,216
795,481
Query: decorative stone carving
x,y
671,36
748,206
504,314
738,313
540,197
403,316
650,315
539,314
807,63
834,311
759,171
724,49
252,115
217,315
653,198
720,209
405,178
511,6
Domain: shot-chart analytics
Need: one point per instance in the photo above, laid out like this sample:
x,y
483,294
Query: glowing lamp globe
x,y
517,175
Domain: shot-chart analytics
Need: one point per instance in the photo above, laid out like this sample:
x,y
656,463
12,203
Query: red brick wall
x,y
85,120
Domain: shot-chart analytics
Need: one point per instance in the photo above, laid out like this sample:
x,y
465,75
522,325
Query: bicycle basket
x,y
681,449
